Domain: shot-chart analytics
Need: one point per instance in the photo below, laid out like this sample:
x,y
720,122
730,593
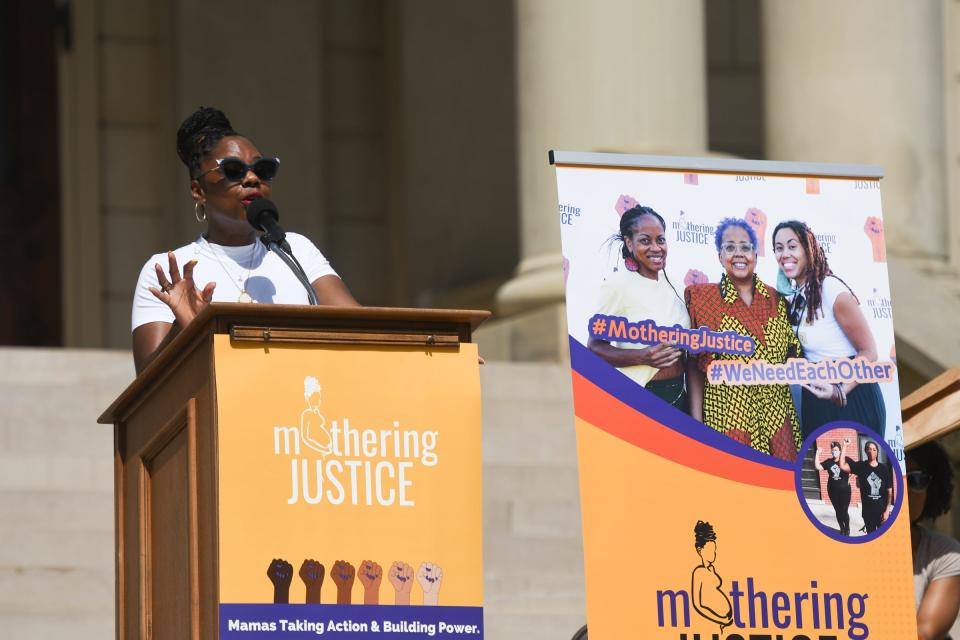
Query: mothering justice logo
x,y
690,231
827,241
879,305
753,610
568,214
342,464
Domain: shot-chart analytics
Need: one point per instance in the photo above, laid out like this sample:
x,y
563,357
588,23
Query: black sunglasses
x,y
797,307
918,480
235,169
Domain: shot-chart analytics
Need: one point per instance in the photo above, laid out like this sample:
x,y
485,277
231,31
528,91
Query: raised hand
x,y
430,576
624,204
181,293
311,572
873,227
401,577
280,573
343,574
370,574
694,276
757,219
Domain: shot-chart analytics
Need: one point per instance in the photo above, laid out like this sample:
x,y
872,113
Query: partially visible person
x,y
642,291
936,556
227,261
838,483
760,416
875,480
830,325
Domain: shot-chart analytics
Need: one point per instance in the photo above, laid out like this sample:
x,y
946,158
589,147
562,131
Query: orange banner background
x,y
260,388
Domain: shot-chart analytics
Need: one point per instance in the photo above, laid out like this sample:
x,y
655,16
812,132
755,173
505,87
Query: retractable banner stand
x,y
349,492
736,399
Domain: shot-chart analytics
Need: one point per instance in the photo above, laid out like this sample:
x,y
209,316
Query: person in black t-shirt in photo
x,y
875,480
838,483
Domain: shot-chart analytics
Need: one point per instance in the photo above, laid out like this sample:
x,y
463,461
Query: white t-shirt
x,y
825,339
628,294
250,267
937,556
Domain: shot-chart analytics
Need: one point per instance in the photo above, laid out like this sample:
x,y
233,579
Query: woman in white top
x,y
227,173
826,315
642,291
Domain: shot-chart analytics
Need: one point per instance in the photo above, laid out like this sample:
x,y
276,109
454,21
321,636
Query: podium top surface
x,y
223,317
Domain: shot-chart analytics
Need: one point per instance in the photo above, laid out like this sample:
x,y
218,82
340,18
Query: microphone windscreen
x,y
259,208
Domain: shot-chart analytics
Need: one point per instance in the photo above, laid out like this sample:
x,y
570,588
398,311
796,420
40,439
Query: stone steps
x,y
56,492
533,556
56,497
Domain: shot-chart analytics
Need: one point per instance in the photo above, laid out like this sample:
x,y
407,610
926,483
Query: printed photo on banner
x,y
849,483
756,305
730,330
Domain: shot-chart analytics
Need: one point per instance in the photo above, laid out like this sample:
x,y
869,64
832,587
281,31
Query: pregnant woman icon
x,y
709,600
313,426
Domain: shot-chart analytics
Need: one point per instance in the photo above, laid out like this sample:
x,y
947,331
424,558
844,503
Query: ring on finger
x,y
166,287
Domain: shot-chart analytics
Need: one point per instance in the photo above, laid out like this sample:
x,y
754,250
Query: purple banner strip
x,y
255,621
590,366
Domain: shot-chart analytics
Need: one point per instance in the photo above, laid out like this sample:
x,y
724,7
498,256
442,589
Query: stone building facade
x,y
413,136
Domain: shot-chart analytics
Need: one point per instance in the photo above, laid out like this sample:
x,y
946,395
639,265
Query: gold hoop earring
x,y
199,212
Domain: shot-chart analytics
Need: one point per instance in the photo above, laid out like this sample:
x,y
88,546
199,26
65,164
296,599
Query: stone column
x,y
862,82
271,93
865,82
612,75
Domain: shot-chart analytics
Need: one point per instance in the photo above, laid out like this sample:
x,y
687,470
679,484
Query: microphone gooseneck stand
x,y
262,215
286,254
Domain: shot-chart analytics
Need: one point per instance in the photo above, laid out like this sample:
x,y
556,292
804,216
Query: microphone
x,y
262,215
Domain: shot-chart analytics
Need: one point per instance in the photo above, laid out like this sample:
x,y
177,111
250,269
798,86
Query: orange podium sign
x,y
349,476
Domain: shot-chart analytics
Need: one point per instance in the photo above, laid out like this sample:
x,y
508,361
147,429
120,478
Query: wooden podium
x,y
166,458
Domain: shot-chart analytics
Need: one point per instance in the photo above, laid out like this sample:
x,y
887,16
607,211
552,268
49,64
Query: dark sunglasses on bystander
x,y
918,480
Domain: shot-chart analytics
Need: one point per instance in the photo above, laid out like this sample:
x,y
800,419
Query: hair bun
x,y
199,132
703,532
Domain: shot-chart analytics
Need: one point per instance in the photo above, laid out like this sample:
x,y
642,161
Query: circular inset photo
x,y
849,482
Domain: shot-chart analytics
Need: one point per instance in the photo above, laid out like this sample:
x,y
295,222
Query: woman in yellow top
x,y
642,291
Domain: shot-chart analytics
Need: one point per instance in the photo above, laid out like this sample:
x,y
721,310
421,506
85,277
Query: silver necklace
x,y
240,282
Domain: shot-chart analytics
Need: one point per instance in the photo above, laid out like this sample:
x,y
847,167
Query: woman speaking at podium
x,y
227,262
